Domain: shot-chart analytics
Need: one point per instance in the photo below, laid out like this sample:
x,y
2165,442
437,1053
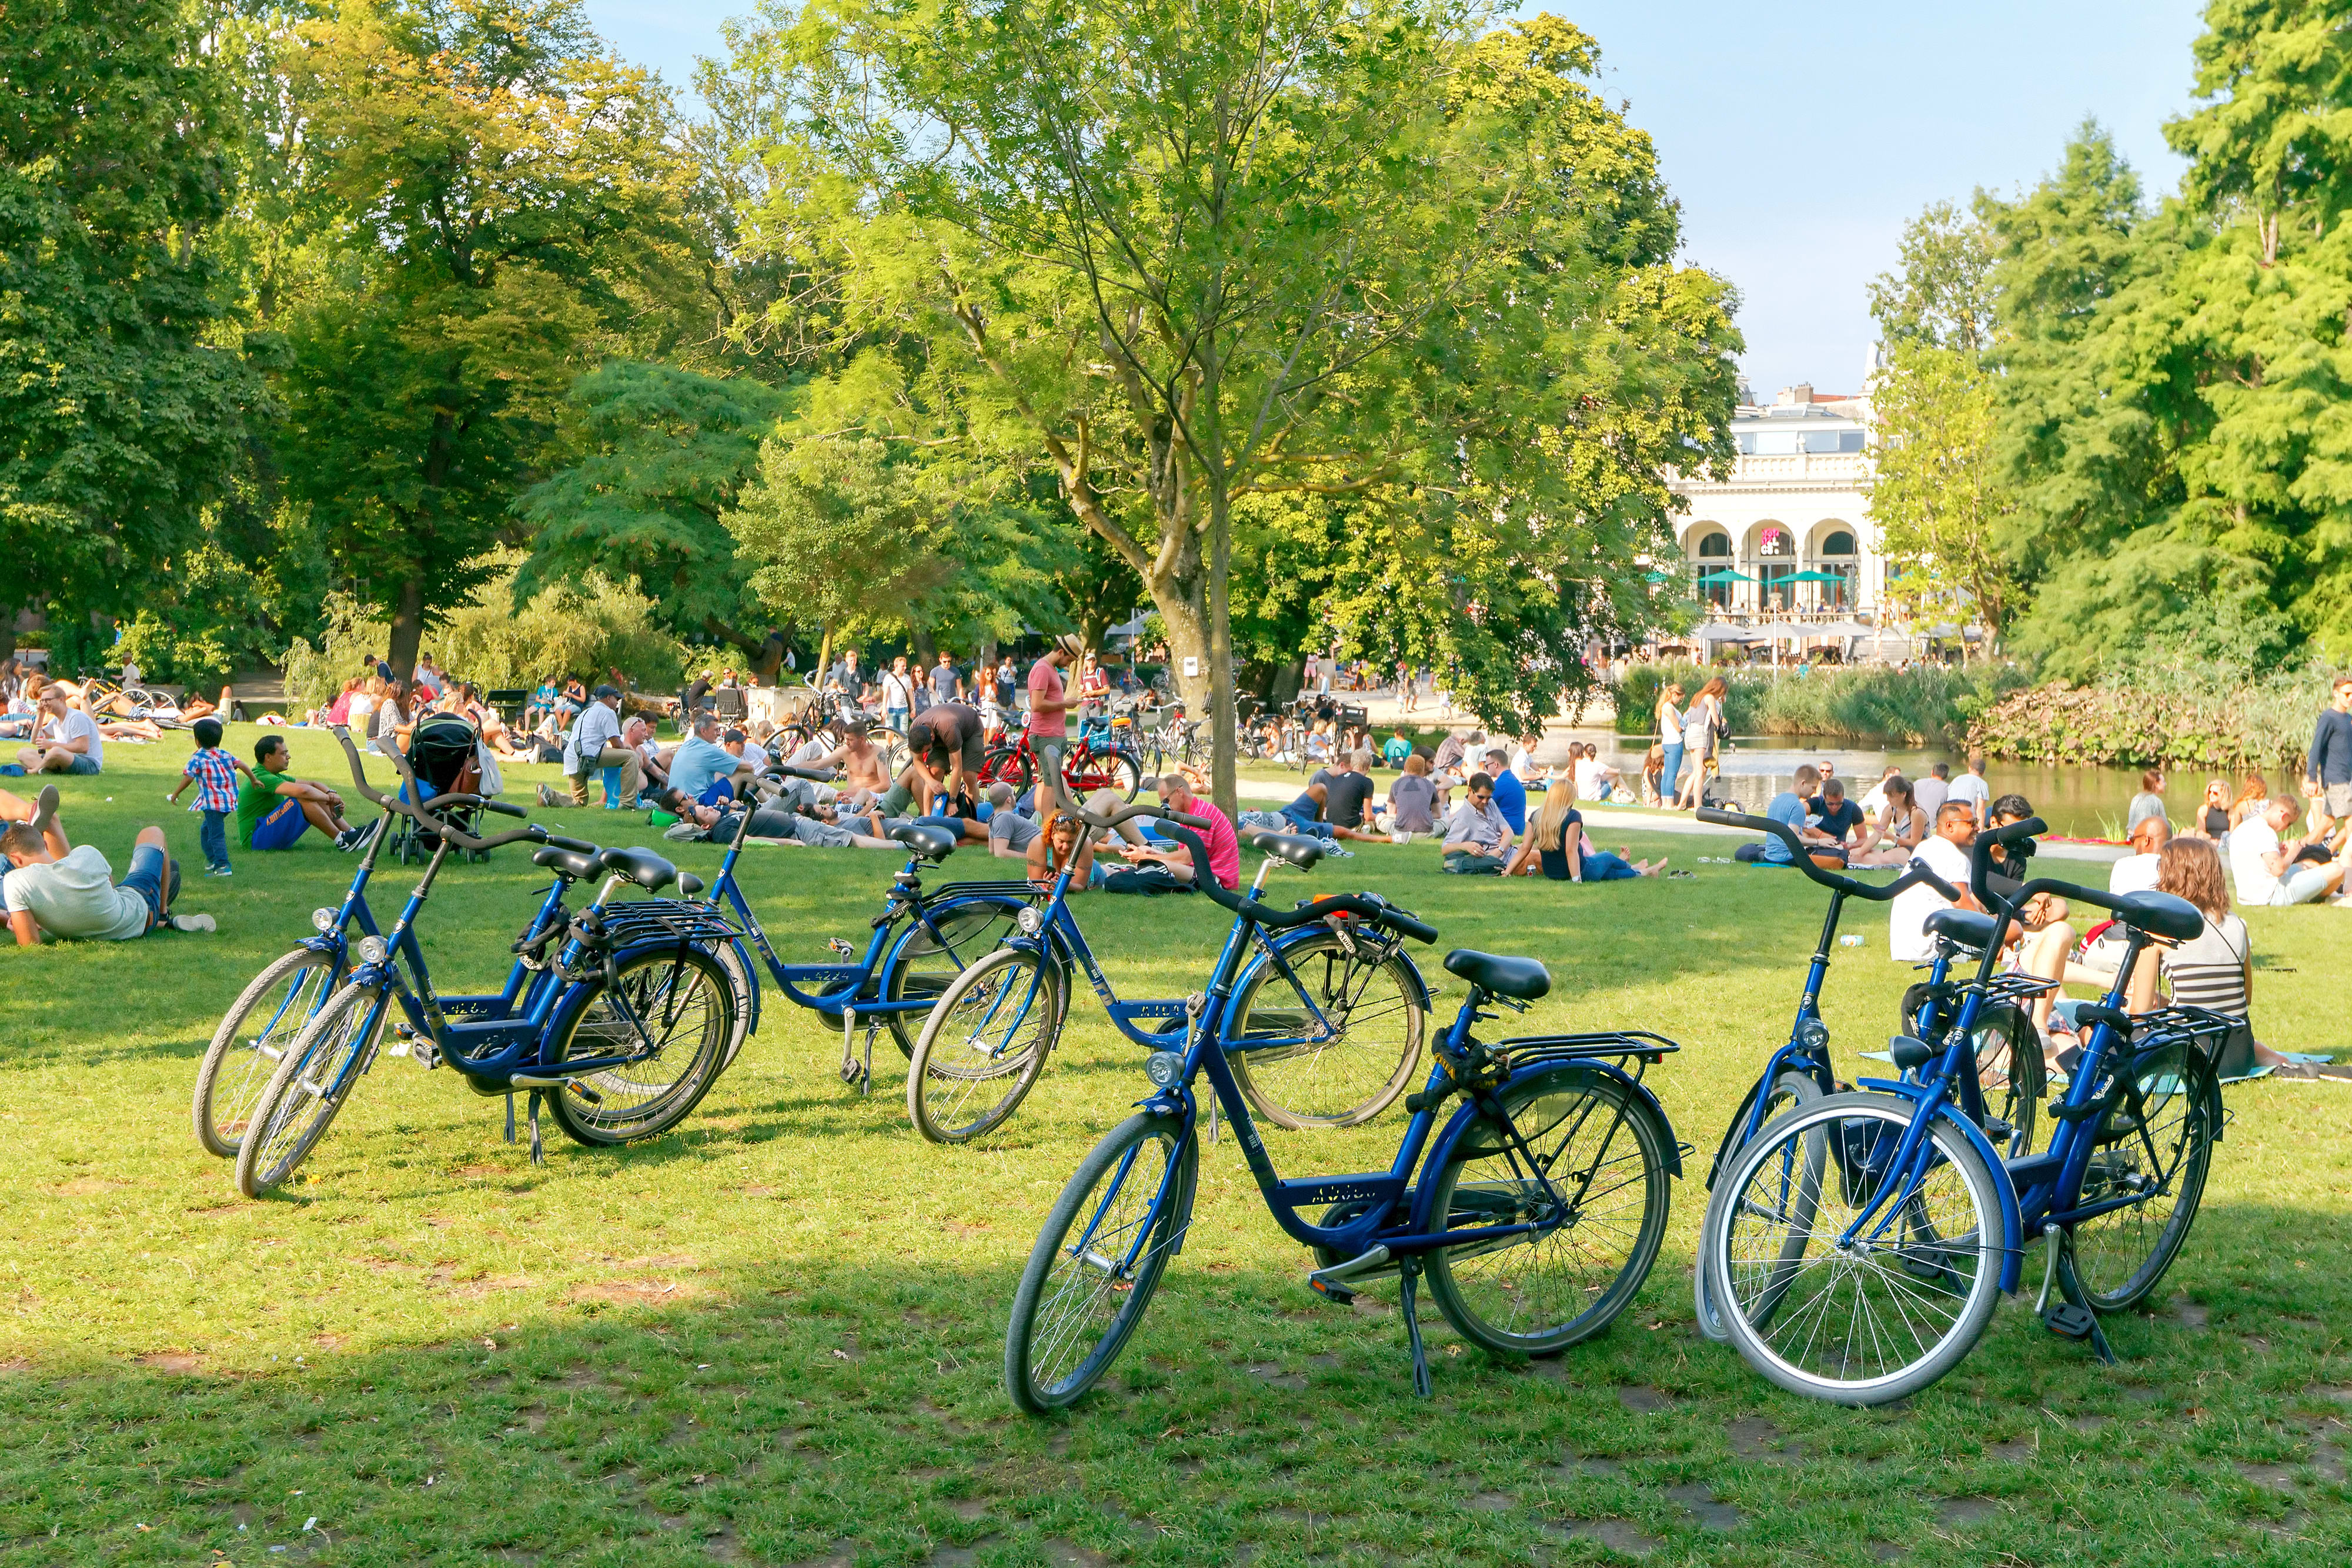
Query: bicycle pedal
x,y
1331,1290
841,947
2068,1320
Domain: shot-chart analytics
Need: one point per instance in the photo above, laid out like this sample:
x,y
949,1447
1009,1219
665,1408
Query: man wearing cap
x,y
594,744
1049,723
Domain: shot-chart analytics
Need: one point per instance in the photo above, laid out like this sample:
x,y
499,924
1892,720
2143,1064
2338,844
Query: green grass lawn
x,y
775,1336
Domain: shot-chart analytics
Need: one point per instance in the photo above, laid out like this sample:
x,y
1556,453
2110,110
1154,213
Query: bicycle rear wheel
x,y
679,1010
1789,1089
2011,1076
1375,1017
1871,1320
1605,1155
252,1039
309,1087
929,958
983,1045
1104,1244
2157,1140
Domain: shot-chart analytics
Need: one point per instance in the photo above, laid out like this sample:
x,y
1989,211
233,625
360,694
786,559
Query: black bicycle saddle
x,y
1522,979
569,863
643,867
1294,848
2164,915
1965,927
926,838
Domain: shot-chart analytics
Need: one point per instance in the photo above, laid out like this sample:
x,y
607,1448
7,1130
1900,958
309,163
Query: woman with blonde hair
x,y
1556,842
1670,742
1902,827
1700,722
2212,818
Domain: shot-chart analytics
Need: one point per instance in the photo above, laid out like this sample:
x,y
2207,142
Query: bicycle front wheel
x,y
309,1087
1789,1089
929,957
983,1045
252,1039
1870,1318
2155,1145
1104,1244
674,1014
1602,1151
1331,1043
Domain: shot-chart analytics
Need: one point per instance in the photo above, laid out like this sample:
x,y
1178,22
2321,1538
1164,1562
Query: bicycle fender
x,y
752,978
2013,1223
1441,1147
895,952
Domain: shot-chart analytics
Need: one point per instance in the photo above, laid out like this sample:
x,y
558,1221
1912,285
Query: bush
x,y
1917,706
2177,717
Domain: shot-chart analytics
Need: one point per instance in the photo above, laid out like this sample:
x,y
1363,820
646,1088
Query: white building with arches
x,y
1788,538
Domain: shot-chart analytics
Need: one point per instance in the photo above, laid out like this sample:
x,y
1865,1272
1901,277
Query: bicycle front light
x,y
1032,920
1164,1067
324,921
1812,1034
372,949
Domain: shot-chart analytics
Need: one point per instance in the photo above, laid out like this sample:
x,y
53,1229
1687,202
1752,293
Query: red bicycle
x,y
1085,767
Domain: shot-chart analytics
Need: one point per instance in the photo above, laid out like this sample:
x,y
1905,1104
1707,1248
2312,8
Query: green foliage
x,y
484,187
1944,298
585,626
2179,715
663,453
123,414
1936,492
1923,705
224,609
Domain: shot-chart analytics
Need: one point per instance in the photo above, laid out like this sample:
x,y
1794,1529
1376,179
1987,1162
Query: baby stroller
x,y
444,753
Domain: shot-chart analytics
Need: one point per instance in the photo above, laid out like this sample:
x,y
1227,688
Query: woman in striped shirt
x,y
2217,969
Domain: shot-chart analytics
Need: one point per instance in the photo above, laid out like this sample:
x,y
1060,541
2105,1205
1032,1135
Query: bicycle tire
x,y
971,929
892,746
1006,763
1789,1089
670,1011
1116,1194
323,1063
974,1064
235,1071
1574,1280
1125,774
2011,1076
1327,1084
1966,1209
2170,1142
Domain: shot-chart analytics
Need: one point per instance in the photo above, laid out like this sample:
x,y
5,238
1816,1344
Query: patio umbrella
x,y
1845,630
1718,631
1813,576
1784,632
1716,579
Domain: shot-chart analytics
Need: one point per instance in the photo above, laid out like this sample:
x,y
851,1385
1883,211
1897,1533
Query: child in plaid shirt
x,y
214,773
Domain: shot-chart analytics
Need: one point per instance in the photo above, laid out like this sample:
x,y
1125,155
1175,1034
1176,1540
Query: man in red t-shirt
x,y
1049,723
1225,849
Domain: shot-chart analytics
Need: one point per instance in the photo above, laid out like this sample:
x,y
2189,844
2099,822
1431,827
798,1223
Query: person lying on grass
x,y
53,890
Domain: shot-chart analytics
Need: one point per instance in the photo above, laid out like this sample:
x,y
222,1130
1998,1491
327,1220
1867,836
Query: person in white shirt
x,y
73,743
1970,788
1929,793
2136,872
1874,803
1595,778
1943,852
2267,871
594,745
52,889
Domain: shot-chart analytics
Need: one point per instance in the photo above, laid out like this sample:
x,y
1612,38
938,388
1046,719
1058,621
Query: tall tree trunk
x,y
7,632
407,629
1222,781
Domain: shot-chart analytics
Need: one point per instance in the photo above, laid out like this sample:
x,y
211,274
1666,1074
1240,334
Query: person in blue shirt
x,y
1789,806
1397,750
1510,792
701,769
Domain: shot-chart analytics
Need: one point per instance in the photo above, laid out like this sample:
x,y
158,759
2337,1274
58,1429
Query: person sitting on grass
x,y
2275,872
274,807
1902,827
55,891
1063,844
73,744
1830,813
1477,839
699,823
1556,843
1010,832
1789,807
1348,790
1412,801
1172,857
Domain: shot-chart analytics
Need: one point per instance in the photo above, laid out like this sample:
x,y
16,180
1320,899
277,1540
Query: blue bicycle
x,y
921,941
2003,1097
1856,1245
1324,1031
1539,1205
617,1018
255,1033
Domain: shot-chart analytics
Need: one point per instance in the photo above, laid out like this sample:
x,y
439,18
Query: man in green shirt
x,y
274,807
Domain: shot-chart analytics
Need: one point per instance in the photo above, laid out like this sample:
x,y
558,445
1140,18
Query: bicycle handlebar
x,y
426,816
1365,906
1801,858
1980,872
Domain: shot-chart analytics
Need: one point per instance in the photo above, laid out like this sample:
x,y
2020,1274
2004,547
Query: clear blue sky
x,y
1801,140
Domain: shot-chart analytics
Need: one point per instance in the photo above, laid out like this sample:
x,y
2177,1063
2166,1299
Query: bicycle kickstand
x,y
2071,1317
858,1077
1408,1274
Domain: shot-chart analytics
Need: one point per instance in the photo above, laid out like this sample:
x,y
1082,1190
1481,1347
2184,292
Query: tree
x,y
1936,492
486,189
123,409
665,454
1944,294
1189,255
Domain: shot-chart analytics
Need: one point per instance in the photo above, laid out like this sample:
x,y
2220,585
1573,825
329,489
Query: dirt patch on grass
x,y
87,1187
646,1293
182,1362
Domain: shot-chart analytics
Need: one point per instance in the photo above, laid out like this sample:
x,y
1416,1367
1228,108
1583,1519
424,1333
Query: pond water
x,y
2077,802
